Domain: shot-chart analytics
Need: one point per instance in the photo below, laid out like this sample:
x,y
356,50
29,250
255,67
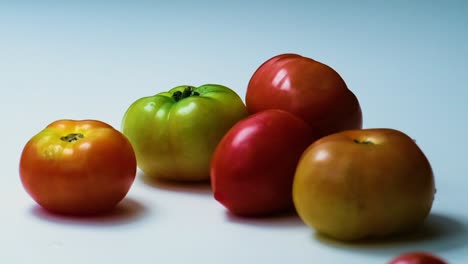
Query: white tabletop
x,y
406,61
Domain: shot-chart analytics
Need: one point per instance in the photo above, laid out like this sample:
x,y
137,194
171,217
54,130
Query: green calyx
x,y
188,91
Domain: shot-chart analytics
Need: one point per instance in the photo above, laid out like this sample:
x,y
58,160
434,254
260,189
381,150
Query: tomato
x,y
307,88
174,133
417,257
363,183
78,167
253,166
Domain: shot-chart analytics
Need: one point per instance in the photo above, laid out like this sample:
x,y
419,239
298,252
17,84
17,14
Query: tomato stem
x,y
188,91
72,137
365,142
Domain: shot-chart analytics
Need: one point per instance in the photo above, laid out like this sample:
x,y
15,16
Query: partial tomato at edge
x,y
417,257
78,167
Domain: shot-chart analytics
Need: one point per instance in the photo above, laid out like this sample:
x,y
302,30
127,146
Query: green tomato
x,y
174,134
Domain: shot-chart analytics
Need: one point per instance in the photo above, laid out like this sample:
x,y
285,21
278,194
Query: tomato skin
x,y
307,88
417,258
363,183
81,175
253,166
175,139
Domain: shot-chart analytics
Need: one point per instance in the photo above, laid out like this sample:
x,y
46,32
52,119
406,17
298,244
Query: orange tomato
x,y
78,167
364,183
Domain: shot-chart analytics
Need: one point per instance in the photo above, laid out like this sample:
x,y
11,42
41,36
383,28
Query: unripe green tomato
x,y
175,133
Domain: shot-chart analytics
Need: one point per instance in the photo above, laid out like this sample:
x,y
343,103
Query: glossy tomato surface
x,y
307,88
78,167
417,257
175,133
253,166
364,183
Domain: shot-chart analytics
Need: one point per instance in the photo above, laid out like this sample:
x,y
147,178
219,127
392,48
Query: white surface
x,y
406,62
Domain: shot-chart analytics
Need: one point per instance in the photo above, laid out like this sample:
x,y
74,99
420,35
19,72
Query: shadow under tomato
x,y
126,212
438,233
200,187
286,219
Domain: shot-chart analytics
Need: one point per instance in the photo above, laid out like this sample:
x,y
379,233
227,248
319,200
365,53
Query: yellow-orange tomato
x,y
78,167
363,183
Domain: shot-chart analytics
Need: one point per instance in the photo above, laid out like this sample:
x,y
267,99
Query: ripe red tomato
x,y
417,258
78,167
306,88
253,166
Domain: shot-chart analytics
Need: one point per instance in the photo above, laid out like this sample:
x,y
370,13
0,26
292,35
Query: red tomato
x,y
78,167
417,258
253,166
306,88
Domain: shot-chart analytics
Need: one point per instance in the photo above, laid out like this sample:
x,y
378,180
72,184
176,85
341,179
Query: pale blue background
x,y
407,62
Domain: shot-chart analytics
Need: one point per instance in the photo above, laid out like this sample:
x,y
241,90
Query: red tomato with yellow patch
x,y
78,167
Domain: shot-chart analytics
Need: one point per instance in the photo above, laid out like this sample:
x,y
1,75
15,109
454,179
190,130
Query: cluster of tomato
x,y
296,144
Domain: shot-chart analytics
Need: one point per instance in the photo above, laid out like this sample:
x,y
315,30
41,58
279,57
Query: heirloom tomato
x,y
78,167
363,183
307,88
417,257
253,166
174,133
